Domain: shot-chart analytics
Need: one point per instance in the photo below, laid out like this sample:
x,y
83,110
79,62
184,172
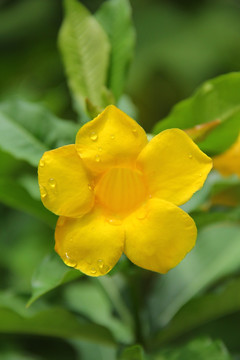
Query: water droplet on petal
x,y
93,271
134,130
100,149
112,137
97,158
200,174
190,156
69,261
90,187
100,263
93,136
52,183
114,221
43,191
42,163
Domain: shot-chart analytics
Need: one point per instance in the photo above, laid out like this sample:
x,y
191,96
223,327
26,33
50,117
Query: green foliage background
x,y
146,57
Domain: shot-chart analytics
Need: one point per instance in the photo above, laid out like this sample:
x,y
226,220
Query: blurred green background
x,y
179,45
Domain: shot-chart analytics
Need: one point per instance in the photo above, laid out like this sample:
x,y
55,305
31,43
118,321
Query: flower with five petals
x,y
116,193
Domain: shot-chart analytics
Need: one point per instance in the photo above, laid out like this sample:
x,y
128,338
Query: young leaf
x,y
28,130
85,50
216,99
115,18
51,273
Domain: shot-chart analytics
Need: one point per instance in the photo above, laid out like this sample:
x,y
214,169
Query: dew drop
x,y
190,156
100,263
112,137
114,221
100,149
69,261
134,130
93,271
42,163
200,174
43,192
93,136
52,183
97,158
102,267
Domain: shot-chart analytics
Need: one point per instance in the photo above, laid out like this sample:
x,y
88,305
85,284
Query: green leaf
x,y
134,352
199,349
54,322
215,255
223,301
85,50
88,299
14,195
110,285
115,18
28,130
218,98
51,273
206,218
30,183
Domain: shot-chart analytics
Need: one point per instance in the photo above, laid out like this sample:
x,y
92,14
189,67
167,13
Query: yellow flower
x,y
228,163
116,193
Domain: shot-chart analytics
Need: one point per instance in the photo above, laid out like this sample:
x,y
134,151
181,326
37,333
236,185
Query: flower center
x,y
121,189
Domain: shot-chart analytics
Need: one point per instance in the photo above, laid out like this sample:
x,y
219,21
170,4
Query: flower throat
x,y
121,189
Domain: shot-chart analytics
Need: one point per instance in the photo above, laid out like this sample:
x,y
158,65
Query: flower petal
x,y
90,244
159,235
228,163
174,166
64,182
111,139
